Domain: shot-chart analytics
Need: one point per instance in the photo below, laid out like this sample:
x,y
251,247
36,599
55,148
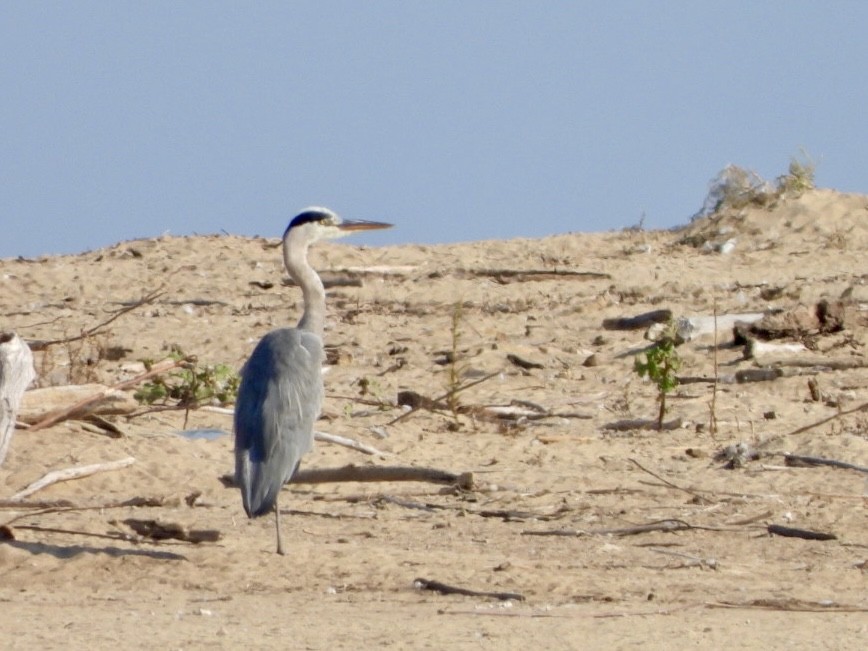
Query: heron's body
x,y
281,390
275,414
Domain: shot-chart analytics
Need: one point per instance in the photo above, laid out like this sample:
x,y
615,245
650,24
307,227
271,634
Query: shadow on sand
x,y
71,551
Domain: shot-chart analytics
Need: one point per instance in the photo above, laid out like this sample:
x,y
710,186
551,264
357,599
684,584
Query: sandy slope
x,y
74,576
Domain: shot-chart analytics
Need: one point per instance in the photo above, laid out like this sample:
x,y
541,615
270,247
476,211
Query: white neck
x,y
295,259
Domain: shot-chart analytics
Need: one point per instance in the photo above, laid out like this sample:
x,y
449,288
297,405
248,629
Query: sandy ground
x,y
75,575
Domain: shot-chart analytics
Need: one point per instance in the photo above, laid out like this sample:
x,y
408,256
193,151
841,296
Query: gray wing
x,y
279,400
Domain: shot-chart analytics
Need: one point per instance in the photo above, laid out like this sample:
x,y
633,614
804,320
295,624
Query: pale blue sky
x,y
456,120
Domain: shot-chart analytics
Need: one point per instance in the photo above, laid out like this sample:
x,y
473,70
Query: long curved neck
x,y
295,259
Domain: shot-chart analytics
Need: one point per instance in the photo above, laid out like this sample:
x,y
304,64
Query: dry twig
x,y
355,473
69,412
425,404
442,588
66,474
149,298
669,483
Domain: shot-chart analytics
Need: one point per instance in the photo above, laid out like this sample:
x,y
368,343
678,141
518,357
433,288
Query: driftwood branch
x,y
381,270
805,428
36,404
442,588
507,515
81,406
639,321
349,443
16,373
90,332
421,402
381,473
771,354
689,328
164,530
788,605
742,376
660,525
78,472
806,534
506,276
799,460
625,425
693,493
355,473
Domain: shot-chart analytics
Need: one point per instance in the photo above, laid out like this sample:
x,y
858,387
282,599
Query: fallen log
x,y
355,473
83,405
352,472
794,354
801,461
806,534
39,403
639,321
689,328
160,530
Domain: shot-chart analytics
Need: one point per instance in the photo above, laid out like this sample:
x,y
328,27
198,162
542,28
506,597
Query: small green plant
x,y
191,385
660,365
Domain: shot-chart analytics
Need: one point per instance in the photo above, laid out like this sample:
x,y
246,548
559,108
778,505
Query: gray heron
x,y
281,388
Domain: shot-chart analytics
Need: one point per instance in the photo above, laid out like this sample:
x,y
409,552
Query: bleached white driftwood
x,y
66,474
82,406
36,404
16,373
688,328
349,443
795,354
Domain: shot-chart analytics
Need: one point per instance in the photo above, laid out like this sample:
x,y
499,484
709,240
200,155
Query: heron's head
x,y
316,223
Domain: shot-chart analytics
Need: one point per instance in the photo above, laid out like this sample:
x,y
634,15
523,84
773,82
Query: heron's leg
x,y
280,549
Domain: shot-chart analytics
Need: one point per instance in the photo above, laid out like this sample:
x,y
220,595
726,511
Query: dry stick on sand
x,y
805,428
503,514
350,443
381,473
442,588
797,461
355,473
790,532
693,493
671,524
72,410
149,298
504,276
790,605
78,472
796,355
445,396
